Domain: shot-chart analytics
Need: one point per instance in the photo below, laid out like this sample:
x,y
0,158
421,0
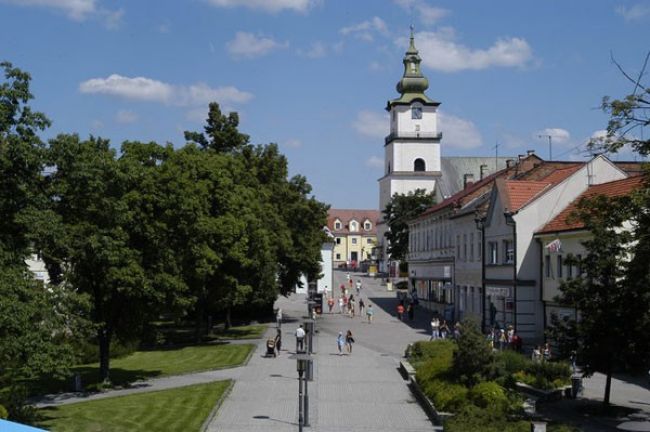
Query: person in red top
x,y
400,311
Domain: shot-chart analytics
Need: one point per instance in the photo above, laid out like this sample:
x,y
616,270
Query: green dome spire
x,y
413,84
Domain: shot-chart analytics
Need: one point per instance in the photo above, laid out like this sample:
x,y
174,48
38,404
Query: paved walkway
x,y
359,392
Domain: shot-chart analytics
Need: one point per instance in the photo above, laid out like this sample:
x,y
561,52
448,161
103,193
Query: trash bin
x,y
576,386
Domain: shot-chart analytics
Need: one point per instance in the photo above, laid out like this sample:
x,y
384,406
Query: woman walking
x,y
362,306
340,341
349,340
370,313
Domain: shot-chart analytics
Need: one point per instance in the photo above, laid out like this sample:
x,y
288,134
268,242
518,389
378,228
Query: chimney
x,y
510,163
484,171
468,179
519,158
530,152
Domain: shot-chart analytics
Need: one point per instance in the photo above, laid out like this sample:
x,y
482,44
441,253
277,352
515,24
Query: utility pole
x,y
496,155
550,145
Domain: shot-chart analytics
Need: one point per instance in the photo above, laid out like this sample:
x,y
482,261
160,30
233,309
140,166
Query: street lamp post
x,y
303,362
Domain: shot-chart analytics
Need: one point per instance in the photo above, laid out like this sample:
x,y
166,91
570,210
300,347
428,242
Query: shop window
x,y
493,250
508,252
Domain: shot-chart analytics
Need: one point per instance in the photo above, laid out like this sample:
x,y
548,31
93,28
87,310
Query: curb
x,y
216,407
408,371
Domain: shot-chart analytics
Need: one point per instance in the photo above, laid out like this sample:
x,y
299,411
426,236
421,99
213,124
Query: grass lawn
x,y
185,334
242,332
158,363
180,409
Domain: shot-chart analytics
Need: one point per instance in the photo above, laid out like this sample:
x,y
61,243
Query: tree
x,y
221,133
401,209
473,358
21,163
611,331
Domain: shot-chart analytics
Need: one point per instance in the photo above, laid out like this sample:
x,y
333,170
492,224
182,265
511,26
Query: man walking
x,y
300,339
278,317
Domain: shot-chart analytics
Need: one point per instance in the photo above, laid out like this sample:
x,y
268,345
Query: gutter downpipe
x,y
511,222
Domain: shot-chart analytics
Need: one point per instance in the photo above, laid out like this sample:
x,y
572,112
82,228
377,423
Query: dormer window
x,y
354,226
337,225
367,225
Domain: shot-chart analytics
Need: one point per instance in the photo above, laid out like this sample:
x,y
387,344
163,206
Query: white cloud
x,y
248,45
77,10
428,14
149,90
316,50
558,135
458,132
440,51
635,12
126,116
272,6
96,124
293,143
372,124
366,29
375,162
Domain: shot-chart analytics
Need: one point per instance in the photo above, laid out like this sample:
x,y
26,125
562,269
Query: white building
x,y
518,208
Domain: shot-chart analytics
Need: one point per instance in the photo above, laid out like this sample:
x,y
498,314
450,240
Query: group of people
x,y
502,339
409,309
348,305
441,330
543,353
345,342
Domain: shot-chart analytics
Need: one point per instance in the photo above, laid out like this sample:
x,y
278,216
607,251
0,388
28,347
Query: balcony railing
x,y
413,135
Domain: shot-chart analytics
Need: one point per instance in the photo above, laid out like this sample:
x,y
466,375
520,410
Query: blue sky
x,y
314,75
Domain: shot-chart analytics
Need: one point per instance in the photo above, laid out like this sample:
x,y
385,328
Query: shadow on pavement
x,y
421,320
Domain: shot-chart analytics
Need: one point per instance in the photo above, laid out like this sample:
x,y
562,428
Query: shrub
x,y
446,396
3,412
473,359
511,361
432,359
489,394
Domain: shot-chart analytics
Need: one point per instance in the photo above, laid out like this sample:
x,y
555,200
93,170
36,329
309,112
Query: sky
x,y
314,76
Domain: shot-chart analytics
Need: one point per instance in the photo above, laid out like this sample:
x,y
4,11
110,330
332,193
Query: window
x,y
419,165
416,112
367,226
579,265
369,241
559,266
354,226
471,246
464,247
337,225
338,240
569,271
479,250
338,256
458,246
354,240
493,250
547,265
508,252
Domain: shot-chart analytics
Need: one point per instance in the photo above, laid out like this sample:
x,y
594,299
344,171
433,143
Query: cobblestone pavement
x,y
362,391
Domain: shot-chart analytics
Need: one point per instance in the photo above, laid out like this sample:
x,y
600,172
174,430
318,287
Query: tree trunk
x,y
104,338
228,324
608,386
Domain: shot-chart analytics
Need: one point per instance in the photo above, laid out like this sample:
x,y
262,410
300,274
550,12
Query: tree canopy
x,y
398,212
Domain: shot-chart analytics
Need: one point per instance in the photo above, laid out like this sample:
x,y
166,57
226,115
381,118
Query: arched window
x,y
419,165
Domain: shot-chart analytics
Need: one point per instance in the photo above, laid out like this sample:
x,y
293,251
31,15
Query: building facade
x,y
355,236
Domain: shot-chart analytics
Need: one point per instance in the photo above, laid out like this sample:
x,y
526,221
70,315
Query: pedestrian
x,y
278,341
300,339
546,354
573,358
510,333
349,340
351,282
278,318
400,311
536,356
362,306
330,303
351,307
435,328
342,289
411,311
457,330
341,304
340,341
369,313
358,286
347,276
444,329
503,339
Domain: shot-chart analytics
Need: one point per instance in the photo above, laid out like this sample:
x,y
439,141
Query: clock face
x,y
416,113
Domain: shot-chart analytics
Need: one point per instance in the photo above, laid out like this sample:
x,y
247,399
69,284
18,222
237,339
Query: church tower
x,y
412,148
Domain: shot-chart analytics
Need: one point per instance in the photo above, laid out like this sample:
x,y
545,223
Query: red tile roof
x,y
347,215
564,222
520,192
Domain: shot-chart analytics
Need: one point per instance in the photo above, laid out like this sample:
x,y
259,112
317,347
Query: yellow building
x,y
355,235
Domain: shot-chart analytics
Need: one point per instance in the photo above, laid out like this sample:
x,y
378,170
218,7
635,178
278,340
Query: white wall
x,y
326,282
404,123
402,154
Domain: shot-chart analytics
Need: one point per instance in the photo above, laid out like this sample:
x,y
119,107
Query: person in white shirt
x,y
278,317
300,339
